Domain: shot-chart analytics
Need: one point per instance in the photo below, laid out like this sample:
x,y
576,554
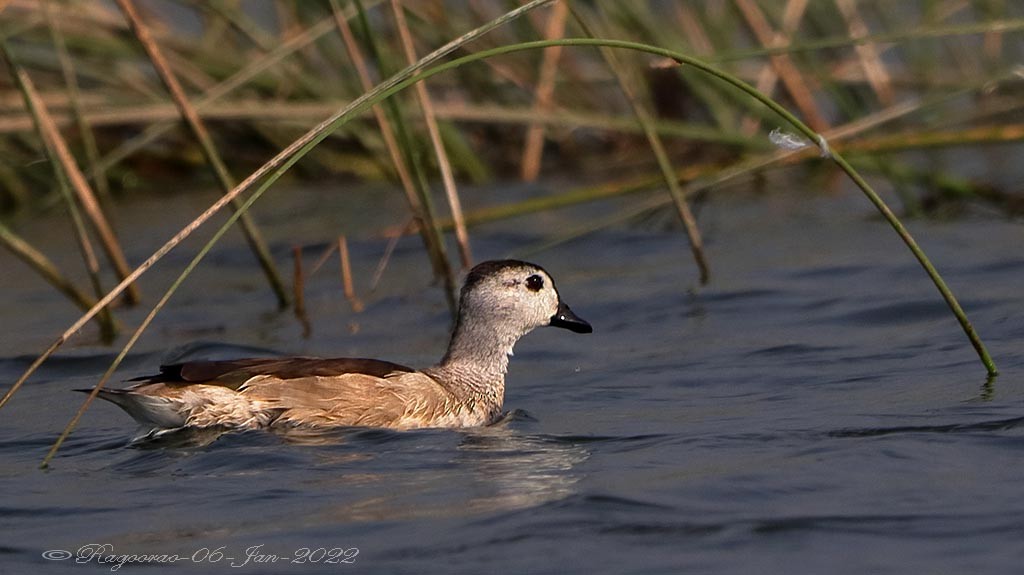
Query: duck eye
x,y
534,283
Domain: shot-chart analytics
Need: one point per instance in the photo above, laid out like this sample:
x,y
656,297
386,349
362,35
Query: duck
x,y
500,302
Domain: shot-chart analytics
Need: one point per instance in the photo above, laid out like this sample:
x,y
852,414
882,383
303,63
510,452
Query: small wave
x,y
980,426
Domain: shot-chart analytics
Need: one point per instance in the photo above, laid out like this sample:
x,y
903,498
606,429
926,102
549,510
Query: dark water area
x,y
815,409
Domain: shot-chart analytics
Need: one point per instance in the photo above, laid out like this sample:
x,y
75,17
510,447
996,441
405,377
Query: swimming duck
x,y
500,302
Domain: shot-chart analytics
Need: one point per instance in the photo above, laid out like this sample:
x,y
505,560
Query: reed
x,y
421,203
345,262
288,69
834,62
67,170
49,271
299,293
430,118
85,131
658,149
543,93
400,160
198,128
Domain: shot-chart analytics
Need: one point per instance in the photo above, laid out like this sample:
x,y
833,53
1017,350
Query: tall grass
x,y
865,78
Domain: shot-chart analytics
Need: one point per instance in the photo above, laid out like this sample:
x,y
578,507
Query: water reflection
x,y
381,475
496,468
519,471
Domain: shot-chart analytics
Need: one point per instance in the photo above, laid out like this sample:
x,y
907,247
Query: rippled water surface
x,y
815,409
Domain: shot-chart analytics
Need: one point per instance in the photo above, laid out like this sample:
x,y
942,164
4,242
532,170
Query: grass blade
x,y
664,164
198,129
346,275
790,75
430,119
65,163
44,267
299,292
92,154
533,147
416,205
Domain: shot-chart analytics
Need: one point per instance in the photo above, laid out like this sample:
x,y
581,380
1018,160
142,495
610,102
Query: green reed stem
x,y
202,135
814,137
423,208
646,122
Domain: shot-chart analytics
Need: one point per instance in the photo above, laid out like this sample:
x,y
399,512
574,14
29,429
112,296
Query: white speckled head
x,y
515,296
502,301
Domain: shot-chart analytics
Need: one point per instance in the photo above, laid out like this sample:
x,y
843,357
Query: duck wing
x,y
296,391
234,373
399,400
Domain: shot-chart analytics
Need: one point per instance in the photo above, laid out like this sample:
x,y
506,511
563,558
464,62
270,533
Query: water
x,y
816,409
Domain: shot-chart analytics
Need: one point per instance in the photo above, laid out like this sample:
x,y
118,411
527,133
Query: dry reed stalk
x,y
299,292
198,129
12,185
288,28
870,61
501,70
320,261
306,112
693,30
187,72
287,20
236,80
700,176
11,102
159,114
387,132
105,319
533,148
346,275
790,75
993,45
44,267
92,154
234,17
52,139
664,164
698,40
108,329
431,239
451,191
767,79
385,258
572,197
938,138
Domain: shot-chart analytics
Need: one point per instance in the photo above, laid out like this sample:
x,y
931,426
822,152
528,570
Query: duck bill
x,y
565,318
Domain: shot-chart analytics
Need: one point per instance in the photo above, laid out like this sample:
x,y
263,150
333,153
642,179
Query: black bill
x,y
570,321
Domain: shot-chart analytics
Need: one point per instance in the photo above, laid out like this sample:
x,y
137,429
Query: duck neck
x,y
476,361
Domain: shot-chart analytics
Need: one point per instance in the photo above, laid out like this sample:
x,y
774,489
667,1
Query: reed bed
x,y
682,96
257,78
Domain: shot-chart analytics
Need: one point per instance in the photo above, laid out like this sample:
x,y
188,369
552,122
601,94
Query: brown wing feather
x,y
352,399
233,373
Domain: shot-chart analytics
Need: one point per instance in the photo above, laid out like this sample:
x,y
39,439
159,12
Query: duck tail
x,y
154,412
